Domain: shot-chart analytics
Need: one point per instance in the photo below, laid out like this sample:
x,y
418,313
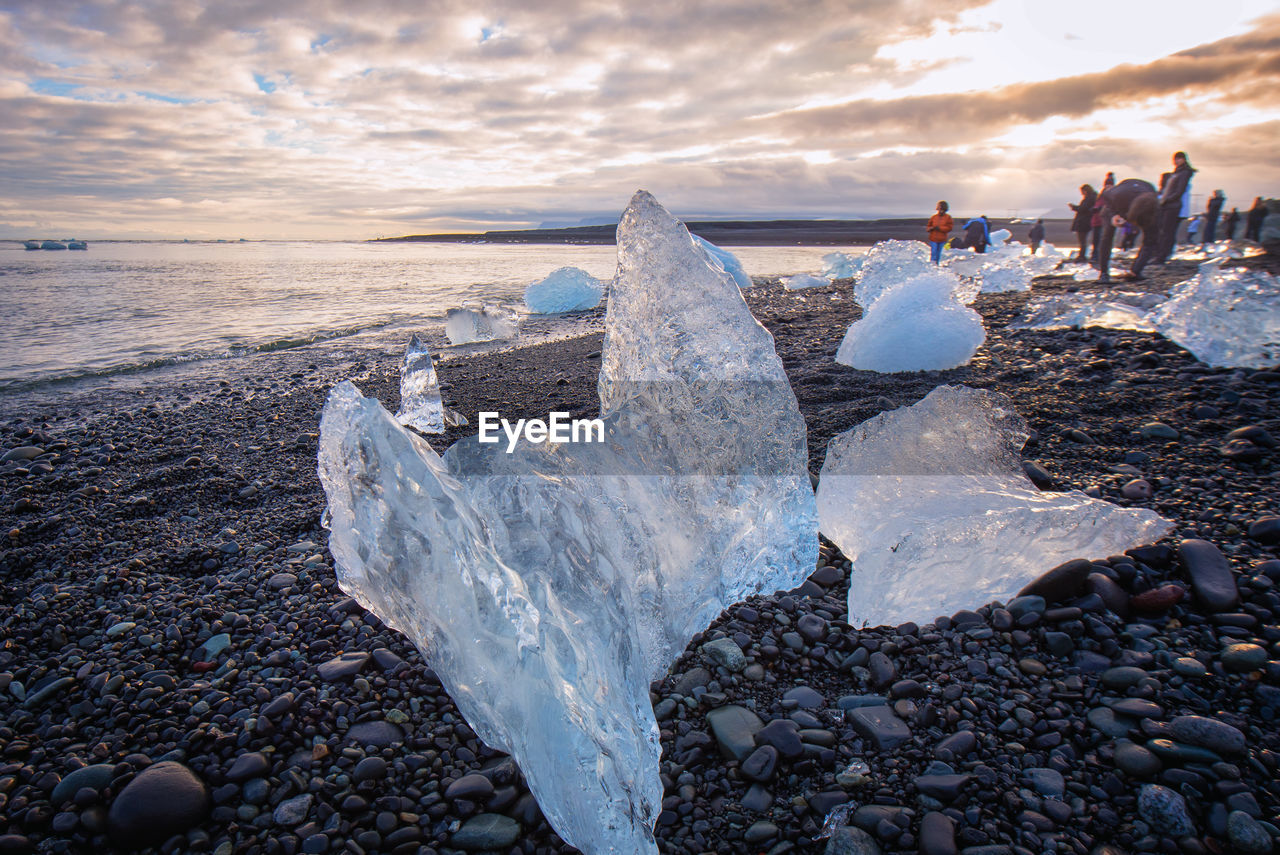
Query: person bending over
x,y
1132,201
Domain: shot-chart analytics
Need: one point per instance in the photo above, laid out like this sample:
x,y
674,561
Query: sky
x,y
326,119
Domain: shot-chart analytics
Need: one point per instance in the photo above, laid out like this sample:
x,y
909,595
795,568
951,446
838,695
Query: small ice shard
x,y
547,587
890,263
841,265
475,323
1227,318
727,261
1116,310
916,325
568,289
804,280
932,506
420,404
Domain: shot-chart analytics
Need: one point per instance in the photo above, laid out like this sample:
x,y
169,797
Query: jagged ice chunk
x,y
916,325
1116,310
804,280
931,505
1227,318
567,289
841,265
474,323
890,263
547,587
728,262
420,404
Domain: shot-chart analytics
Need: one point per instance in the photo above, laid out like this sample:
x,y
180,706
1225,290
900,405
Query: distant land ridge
x,y
753,232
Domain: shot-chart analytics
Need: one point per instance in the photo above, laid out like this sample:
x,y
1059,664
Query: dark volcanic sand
x,y
145,530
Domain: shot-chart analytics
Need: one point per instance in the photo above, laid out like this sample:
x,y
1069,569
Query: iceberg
x,y
727,261
916,325
841,265
475,323
804,280
547,587
420,404
1116,310
931,505
568,289
1227,318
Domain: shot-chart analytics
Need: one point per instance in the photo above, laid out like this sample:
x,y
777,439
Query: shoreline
x,y
156,525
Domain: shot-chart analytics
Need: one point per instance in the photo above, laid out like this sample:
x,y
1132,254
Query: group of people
x,y
977,233
1135,206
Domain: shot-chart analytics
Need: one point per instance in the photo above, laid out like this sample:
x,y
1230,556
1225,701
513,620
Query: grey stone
x,y
937,834
486,831
251,765
1247,834
473,787
163,800
944,788
1208,733
94,777
760,764
1166,810
1136,761
879,725
370,769
1244,657
735,729
377,733
960,743
1212,581
784,735
293,812
1046,782
726,653
806,698
848,840
343,667
1061,583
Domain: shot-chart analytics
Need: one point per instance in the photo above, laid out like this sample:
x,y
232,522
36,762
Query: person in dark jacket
x,y
1132,201
1211,212
1229,224
1253,220
977,235
1082,224
1173,205
1036,236
1096,220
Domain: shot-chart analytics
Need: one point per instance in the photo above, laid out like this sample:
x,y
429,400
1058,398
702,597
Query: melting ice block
x,y
1227,318
547,587
916,325
890,263
475,323
931,505
420,404
841,265
1116,310
804,280
568,289
727,261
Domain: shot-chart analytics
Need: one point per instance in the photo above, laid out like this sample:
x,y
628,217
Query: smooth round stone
x,y
1106,721
1136,708
1166,810
760,764
251,765
1158,430
486,831
1182,753
377,733
849,840
163,800
1122,677
759,832
806,698
1047,782
937,834
1247,835
1208,733
1185,666
1136,761
371,769
94,778
1244,657
294,811
726,653
1138,488
473,787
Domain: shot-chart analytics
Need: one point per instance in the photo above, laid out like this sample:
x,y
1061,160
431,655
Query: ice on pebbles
x,y
841,265
1227,318
931,505
568,289
548,586
476,323
421,406
890,263
804,280
916,325
1117,310
727,261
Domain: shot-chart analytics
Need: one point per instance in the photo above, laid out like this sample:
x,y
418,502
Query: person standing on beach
x,y
1133,202
1036,236
1175,203
1253,220
1082,224
1229,224
1095,221
1211,212
940,226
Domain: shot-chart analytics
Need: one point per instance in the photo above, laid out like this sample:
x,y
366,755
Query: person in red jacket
x,y
940,225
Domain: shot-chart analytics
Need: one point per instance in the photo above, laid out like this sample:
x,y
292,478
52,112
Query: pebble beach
x,y
179,670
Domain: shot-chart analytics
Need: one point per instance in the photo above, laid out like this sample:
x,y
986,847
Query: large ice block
x,y
1227,318
548,586
421,406
1116,310
475,323
841,265
727,261
890,263
916,325
567,289
931,505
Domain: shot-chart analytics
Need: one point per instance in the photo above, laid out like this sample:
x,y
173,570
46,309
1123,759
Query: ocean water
x,y
123,309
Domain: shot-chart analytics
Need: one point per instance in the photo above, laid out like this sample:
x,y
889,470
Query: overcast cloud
x,y
311,119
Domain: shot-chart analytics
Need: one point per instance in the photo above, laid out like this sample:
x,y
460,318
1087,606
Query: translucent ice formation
x,y
420,404
567,289
474,323
804,280
931,505
548,586
841,265
1008,266
890,263
1226,318
727,261
1116,310
916,325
